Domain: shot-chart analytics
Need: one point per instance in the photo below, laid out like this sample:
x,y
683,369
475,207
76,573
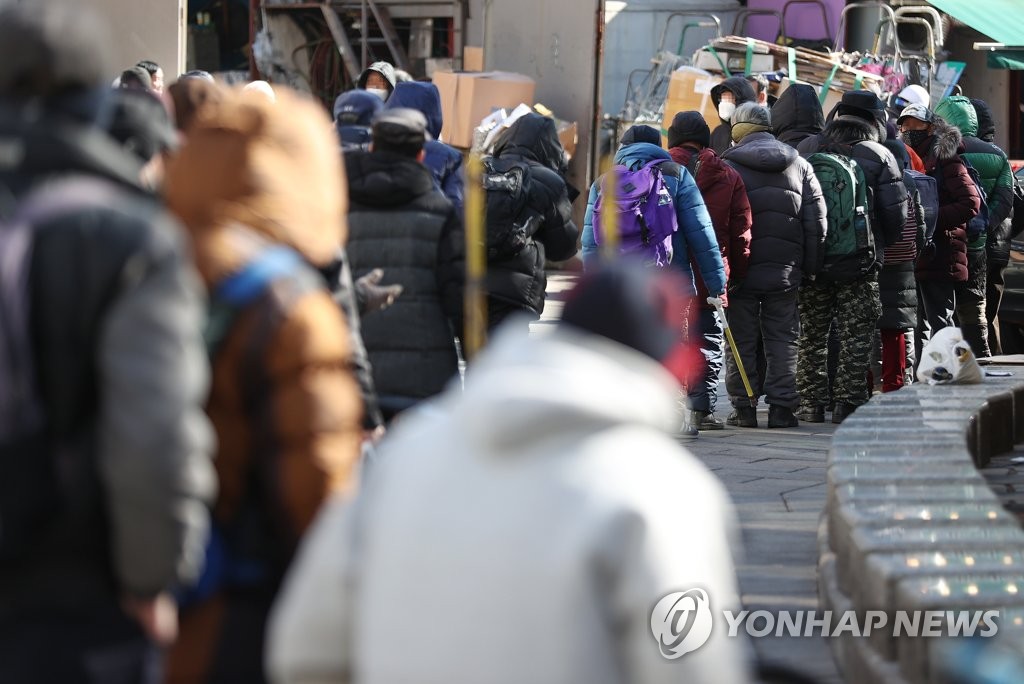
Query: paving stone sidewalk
x,y
776,479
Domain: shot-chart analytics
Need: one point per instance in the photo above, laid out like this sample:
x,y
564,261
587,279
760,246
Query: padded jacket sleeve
x,y
812,217
451,270
699,232
558,233
155,442
740,221
959,200
890,196
590,251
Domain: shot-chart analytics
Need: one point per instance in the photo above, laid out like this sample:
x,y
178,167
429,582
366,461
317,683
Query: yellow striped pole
x,y
475,302
609,218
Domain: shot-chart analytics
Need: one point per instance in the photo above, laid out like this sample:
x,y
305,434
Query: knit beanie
x,y
641,134
750,117
689,127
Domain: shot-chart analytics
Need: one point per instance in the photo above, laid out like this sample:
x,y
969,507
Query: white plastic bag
x,y
947,359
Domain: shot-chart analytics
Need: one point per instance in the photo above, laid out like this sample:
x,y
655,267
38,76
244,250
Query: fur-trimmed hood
x,y
945,142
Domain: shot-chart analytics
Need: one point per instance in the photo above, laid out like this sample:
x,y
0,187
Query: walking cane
x,y
717,303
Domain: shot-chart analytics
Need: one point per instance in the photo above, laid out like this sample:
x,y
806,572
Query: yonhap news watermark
x,y
683,621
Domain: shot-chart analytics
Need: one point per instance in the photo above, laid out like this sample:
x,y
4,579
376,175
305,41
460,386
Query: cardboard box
x,y
736,61
466,98
690,90
567,134
472,58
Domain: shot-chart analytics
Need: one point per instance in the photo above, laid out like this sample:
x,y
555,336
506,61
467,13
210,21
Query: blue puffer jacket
x,y
696,234
444,161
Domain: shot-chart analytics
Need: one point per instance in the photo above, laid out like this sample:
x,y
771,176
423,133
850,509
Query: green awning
x,y
1006,59
1000,20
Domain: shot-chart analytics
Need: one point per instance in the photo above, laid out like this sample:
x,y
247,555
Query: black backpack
x,y
29,491
511,222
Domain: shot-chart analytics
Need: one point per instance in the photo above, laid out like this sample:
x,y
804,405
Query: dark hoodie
x,y
797,114
444,161
945,259
520,281
721,137
384,69
881,171
986,124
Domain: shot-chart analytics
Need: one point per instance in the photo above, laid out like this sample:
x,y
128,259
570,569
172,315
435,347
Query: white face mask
x,y
726,109
379,92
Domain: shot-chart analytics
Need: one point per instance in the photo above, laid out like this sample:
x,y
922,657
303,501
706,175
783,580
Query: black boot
x,y
705,420
811,414
743,416
781,417
842,411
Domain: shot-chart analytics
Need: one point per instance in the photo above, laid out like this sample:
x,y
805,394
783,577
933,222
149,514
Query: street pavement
x,y
776,479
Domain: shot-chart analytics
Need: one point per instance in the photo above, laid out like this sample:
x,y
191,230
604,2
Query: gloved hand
x,y
716,301
376,297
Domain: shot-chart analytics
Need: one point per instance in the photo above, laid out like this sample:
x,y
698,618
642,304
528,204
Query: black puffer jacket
x,y
520,280
797,114
883,175
721,137
788,231
400,222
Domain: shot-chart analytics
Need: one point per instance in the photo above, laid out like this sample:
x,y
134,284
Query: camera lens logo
x,y
681,622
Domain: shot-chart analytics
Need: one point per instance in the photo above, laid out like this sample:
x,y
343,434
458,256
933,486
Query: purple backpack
x,y
645,214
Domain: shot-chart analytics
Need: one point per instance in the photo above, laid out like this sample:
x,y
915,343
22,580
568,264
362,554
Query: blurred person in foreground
x,y
120,472
260,187
518,518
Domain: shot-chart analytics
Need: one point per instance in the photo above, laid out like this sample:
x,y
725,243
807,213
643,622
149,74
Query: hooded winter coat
x,y
444,161
721,137
520,281
788,211
994,171
284,403
725,197
525,483
881,172
401,222
945,258
797,114
696,235
385,69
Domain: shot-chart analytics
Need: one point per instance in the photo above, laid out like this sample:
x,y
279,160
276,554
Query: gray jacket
x,y
118,314
788,230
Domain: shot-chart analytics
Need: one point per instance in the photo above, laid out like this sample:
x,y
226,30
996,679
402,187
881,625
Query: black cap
x,y
52,49
400,127
641,134
140,122
689,127
862,103
136,77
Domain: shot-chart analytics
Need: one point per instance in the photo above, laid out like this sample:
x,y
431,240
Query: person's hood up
x,y
636,155
533,137
797,114
271,168
945,141
525,389
356,108
986,124
739,86
761,151
420,96
959,111
382,68
848,129
386,179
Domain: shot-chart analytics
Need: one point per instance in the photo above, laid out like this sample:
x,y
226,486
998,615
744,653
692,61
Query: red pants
x,y
894,359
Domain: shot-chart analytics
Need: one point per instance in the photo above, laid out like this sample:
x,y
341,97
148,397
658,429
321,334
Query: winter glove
x,y
716,301
373,297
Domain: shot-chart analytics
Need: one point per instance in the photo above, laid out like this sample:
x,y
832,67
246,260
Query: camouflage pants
x,y
855,306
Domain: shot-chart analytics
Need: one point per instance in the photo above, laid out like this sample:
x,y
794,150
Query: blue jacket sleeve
x,y
590,252
696,234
